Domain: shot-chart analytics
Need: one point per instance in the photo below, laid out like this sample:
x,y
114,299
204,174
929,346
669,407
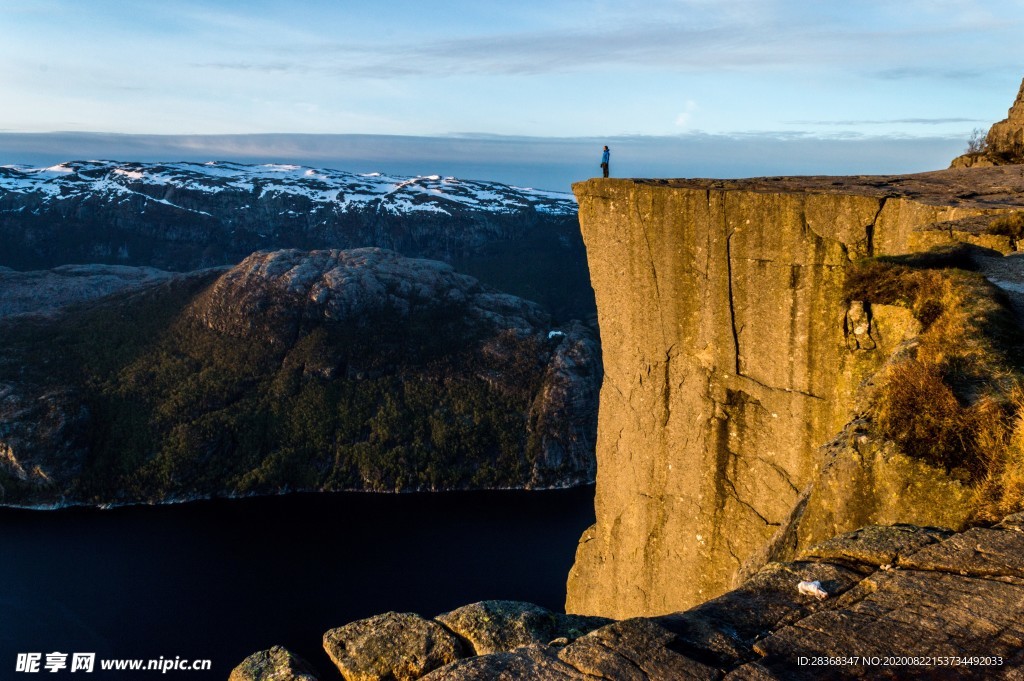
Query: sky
x,y
887,78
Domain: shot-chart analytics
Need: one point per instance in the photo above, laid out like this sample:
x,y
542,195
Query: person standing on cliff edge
x,y
604,160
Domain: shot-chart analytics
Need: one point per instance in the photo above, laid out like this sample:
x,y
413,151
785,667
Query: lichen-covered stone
x,y
276,664
391,647
863,480
502,626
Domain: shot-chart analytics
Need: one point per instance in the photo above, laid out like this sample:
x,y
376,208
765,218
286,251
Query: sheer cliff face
x,y
730,358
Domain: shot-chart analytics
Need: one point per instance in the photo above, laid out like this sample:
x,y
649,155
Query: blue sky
x,y
771,69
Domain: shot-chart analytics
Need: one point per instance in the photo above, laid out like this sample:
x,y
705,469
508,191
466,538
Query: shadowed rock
x,y
46,291
275,664
502,626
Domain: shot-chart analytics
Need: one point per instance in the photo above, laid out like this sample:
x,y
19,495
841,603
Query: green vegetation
x,y
955,399
388,404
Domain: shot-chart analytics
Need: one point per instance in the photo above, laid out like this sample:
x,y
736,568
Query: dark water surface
x,y
222,579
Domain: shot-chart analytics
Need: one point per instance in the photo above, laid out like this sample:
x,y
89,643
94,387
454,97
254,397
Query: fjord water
x,y
222,579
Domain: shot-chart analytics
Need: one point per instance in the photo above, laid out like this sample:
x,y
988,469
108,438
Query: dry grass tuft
x,y
1011,225
1001,492
917,410
957,402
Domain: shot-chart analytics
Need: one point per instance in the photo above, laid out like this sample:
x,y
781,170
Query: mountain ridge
x,y
188,216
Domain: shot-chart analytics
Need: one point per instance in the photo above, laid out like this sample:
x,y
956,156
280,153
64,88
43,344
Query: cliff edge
x,y
733,354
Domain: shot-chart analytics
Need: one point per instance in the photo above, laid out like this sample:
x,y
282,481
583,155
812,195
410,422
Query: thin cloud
x,y
890,121
680,40
916,73
278,67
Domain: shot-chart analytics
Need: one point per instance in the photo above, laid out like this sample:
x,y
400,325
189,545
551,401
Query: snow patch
x,y
342,190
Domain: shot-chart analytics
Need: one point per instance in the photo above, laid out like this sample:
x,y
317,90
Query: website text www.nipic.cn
x,y
87,663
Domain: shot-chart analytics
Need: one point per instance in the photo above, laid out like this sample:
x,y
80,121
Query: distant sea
x,y
538,162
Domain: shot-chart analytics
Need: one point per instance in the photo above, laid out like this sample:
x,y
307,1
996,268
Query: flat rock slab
x,y
391,647
962,599
527,663
724,628
912,613
634,650
503,626
967,187
275,664
45,292
875,545
978,552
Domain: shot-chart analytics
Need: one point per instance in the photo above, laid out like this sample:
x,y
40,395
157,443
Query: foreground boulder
x,y
894,601
502,626
276,664
398,646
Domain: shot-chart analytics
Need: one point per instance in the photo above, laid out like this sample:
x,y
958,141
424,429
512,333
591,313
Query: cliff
x,y
733,354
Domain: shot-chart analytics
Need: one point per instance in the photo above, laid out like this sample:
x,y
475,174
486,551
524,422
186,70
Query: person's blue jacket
x,y
605,156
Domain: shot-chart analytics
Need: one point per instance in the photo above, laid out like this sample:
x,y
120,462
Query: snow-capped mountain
x,y
342,191
186,216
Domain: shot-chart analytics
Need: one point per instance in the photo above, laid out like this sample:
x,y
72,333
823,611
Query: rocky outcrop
x,y
270,295
404,646
894,601
731,357
358,370
1004,143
